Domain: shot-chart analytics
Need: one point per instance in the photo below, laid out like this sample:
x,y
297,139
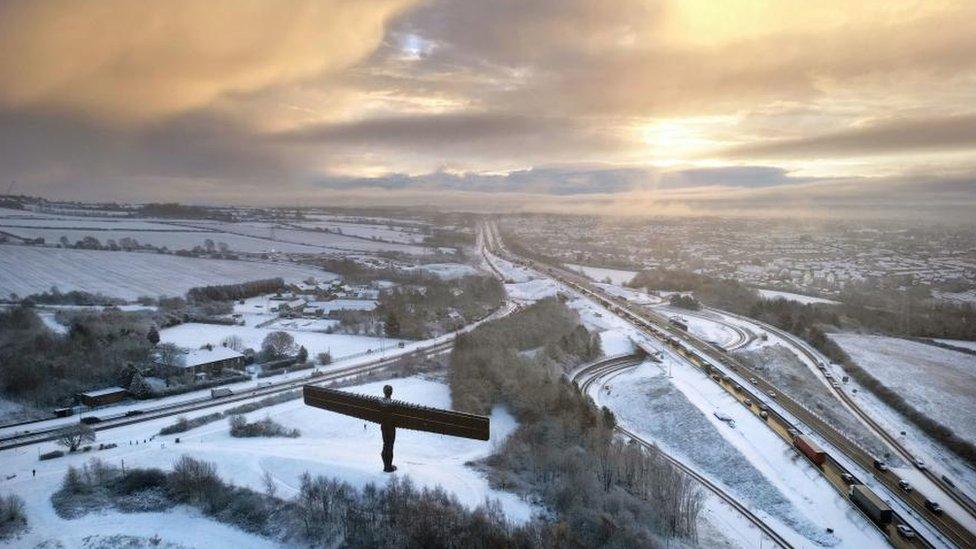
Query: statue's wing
x,y
401,414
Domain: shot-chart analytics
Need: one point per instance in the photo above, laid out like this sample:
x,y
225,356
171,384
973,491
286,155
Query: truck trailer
x,y
871,504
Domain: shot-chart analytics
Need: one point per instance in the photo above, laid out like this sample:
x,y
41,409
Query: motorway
x,y
598,372
734,377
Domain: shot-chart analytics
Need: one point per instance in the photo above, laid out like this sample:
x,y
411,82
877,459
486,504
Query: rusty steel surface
x,y
403,415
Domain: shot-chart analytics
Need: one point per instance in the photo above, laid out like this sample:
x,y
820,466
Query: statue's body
x,y
388,428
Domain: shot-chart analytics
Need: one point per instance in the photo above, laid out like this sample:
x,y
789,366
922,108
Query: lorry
x,y
811,449
869,502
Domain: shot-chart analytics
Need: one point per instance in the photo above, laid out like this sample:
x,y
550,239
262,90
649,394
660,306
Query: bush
x,y
239,427
51,455
13,518
183,424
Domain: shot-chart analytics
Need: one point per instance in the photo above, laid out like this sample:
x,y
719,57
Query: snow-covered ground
x,y
331,445
636,297
448,271
532,290
25,270
194,335
799,298
316,239
600,274
938,382
177,239
400,234
677,414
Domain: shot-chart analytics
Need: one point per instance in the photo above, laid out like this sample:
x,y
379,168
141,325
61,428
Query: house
x,y
207,361
212,361
102,397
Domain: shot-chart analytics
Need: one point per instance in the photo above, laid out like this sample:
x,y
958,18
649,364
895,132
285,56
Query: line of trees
x,y
232,292
324,513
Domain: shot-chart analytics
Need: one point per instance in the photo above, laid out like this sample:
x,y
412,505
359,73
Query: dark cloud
x,y
894,136
577,180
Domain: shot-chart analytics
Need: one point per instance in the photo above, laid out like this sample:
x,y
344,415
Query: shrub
x,y
239,427
13,518
51,455
183,424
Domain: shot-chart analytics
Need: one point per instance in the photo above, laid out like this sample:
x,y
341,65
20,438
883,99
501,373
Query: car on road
x,y
90,419
131,413
920,463
905,486
848,478
880,465
933,506
906,531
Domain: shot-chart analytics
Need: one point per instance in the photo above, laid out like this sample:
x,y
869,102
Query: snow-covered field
x,y
599,274
448,271
938,382
311,238
186,239
532,290
331,445
382,232
93,224
194,335
25,270
799,298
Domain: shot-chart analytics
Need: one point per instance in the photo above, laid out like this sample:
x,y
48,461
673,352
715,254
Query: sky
x,y
672,107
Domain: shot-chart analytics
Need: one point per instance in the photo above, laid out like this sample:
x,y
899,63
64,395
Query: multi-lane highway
x,y
738,380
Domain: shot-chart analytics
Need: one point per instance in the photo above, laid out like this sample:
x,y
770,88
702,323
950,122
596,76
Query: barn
x,y
102,397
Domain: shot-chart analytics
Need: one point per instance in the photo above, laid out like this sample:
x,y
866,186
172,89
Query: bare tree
x,y
278,345
73,436
233,342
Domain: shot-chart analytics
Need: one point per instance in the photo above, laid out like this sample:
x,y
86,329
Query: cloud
x,y
130,60
577,180
889,136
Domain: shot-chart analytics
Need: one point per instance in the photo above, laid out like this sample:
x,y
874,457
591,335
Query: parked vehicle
x,y
869,502
131,413
220,392
64,412
88,420
848,478
905,531
920,463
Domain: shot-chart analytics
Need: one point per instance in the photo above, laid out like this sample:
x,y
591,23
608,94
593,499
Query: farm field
x,y
26,270
310,238
599,274
178,239
938,382
400,235
195,335
799,298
